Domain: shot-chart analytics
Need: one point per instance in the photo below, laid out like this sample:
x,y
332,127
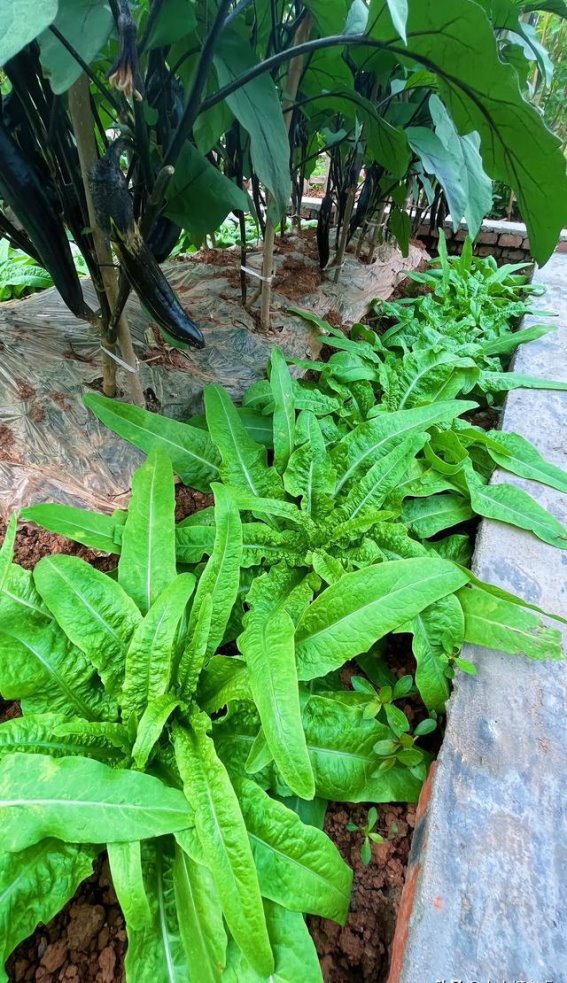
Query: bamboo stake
x,y
349,206
83,126
292,84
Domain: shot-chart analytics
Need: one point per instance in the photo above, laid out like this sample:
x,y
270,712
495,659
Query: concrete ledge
x,y
485,897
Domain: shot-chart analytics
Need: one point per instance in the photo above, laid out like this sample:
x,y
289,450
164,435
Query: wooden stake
x,y
83,126
291,86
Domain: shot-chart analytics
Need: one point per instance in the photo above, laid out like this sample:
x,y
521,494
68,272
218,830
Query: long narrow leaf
x,y
222,832
190,450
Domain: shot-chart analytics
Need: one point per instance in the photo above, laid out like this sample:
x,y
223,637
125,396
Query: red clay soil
x,y
86,942
360,951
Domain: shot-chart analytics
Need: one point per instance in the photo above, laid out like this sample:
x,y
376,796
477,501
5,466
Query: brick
x,y
516,255
510,241
488,238
460,235
485,251
562,246
526,244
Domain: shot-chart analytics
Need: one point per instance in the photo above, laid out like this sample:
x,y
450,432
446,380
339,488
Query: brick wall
x,y
508,242
509,247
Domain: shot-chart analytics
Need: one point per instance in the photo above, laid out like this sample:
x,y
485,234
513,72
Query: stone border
x,y
484,897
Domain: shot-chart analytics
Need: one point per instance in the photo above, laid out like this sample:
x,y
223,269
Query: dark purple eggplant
x,y
323,230
28,196
163,238
114,209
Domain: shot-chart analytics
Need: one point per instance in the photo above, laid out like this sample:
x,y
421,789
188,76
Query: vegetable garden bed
x,y
87,940
224,688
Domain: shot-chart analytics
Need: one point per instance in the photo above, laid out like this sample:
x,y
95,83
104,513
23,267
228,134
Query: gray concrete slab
x,y
488,870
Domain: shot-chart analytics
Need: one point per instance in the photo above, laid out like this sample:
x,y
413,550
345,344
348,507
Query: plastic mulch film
x,y
53,449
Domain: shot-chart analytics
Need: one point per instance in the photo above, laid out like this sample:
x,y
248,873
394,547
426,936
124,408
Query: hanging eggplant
x,y
114,210
28,196
163,238
324,229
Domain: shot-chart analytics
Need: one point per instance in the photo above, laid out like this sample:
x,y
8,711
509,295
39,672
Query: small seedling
x,y
383,698
369,835
400,749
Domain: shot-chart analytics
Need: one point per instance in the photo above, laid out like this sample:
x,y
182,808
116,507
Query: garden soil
x,y
86,942
53,449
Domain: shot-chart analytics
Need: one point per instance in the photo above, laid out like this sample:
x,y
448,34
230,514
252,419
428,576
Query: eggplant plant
x,y
211,94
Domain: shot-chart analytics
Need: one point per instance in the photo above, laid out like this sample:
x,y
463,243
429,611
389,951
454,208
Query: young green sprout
x,y
400,749
369,835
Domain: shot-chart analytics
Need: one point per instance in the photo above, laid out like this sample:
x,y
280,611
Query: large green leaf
x,y
93,610
199,196
125,861
155,951
150,656
147,562
479,201
189,449
330,17
294,950
268,647
284,410
21,21
176,19
454,39
383,477
220,578
150,728
258,109
19,599
387,144
437,631
243,460
341,748
508,503
497,623
428,516
371,440
348,617
516,454
42,669
57,735
224,679
310,474
457,164
7,550
503,382
200,919
34,885
298,865
94,529
82,801
222,832
87,27
399,14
